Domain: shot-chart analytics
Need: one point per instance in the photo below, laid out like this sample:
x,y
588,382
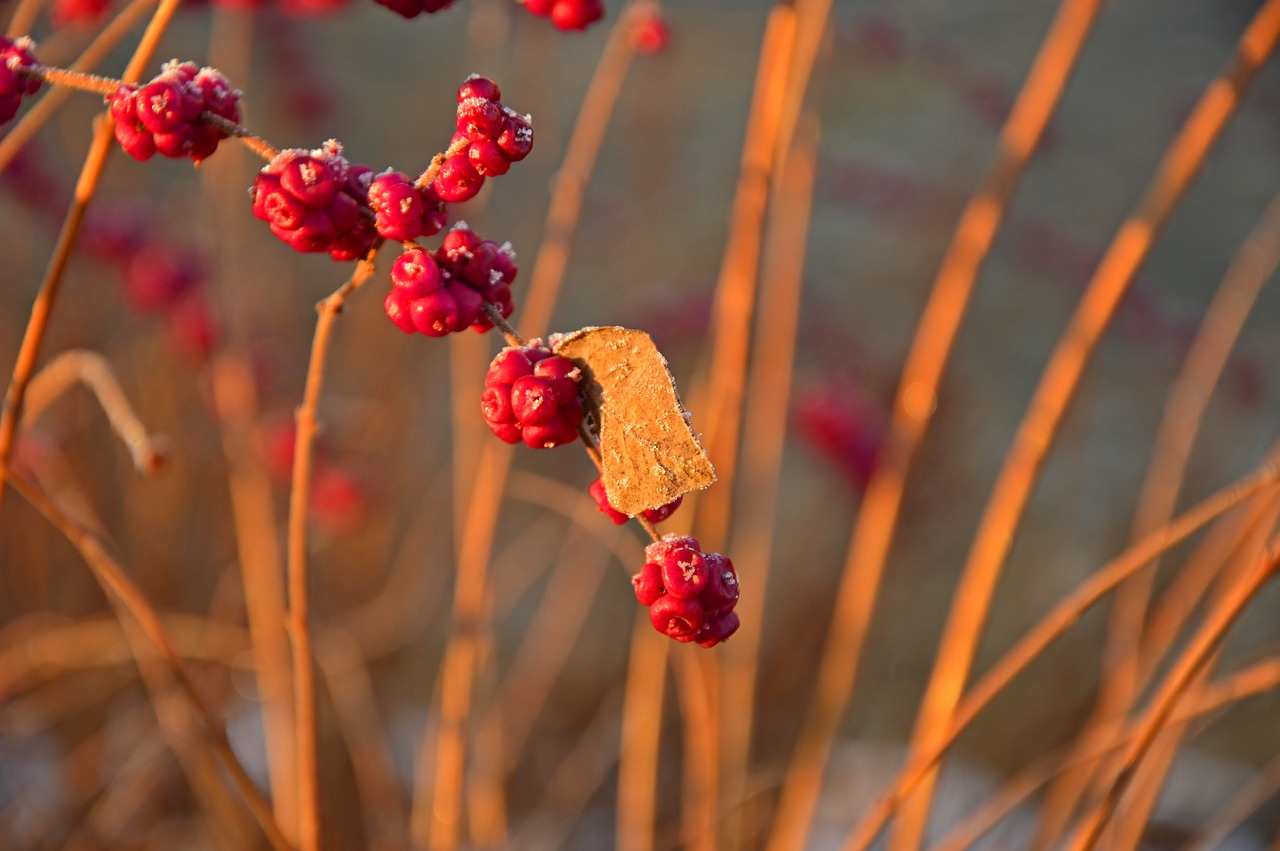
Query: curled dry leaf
x,y
648,450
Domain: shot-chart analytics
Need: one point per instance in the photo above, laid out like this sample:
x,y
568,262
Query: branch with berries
x,y
540,395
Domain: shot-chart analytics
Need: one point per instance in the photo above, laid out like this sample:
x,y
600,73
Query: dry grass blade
x,y
913,406
1058,621
117,584
1057,388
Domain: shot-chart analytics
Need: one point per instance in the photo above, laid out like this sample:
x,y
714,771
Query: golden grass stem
x,y
913,406
1061,377
299,616
1202,648
641,731
1058,621
86,185
116,582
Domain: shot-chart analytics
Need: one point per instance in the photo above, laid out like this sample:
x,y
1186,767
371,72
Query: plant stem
x,y
299,617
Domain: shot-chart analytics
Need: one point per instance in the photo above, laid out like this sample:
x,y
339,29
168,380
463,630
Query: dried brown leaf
x,y
648,450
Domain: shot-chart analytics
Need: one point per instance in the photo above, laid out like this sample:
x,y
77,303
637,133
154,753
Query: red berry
x,y
457,179
721,593
653,515
516,138
488,158
676,617
650,33
576,14
157,276
648,583
413,8
476,86
685,572
397,205
479,118
164,115
717,629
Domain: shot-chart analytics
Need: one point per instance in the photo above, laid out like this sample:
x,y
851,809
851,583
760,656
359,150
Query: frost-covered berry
x,y
516,138
457,179
403,211
653,515
483,265
313,199
691,595
413,8
163,116
15,54
531,395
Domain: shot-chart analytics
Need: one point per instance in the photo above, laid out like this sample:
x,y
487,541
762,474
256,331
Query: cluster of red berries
x,y
401,210
653,515
315,201
495,137
531,395
164,116
690,594
567,14
444,291
15,54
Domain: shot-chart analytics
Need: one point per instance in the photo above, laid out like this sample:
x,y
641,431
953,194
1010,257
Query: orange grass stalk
x,y
117,584
913,406
1057,387
1257,679
1252,266
1204,646
641,732
86,185
764,438
1058,621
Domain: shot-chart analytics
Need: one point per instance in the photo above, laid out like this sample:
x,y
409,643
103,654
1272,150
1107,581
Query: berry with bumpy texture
x,y
163,116
15,54
483,265
531,395
653,515
403,211
691,595
457,179
312,200
476,86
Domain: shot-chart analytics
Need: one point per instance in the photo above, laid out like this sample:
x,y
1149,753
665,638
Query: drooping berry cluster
x,y
567,14
15,54
413,8
531,395
163,116
653,515
314,200
690,594
495,136
444,291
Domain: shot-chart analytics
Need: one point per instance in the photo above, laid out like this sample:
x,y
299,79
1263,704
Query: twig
x,y
299,615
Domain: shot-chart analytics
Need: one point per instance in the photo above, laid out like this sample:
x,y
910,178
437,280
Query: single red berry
x,y
516,138
65,12
398,206
717,629
576,14
684,571
542,8
488,158
648,584
413,8
479,119
476,86
650,33
602,502
457,179
136,140
721,592
677,617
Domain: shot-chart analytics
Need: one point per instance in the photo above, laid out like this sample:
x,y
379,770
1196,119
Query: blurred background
x,y
908,99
